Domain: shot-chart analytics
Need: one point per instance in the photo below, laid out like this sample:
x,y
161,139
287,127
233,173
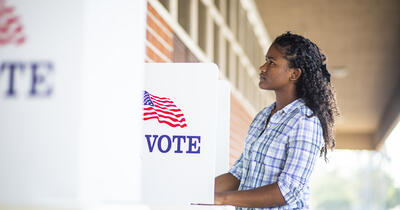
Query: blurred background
x,y
361,42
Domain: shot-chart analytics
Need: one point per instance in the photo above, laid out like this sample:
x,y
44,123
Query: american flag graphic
x,y
11,29
163,109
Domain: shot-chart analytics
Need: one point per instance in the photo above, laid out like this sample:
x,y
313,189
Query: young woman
x,y
285,138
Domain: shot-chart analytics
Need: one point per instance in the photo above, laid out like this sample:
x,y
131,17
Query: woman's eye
x,y
269,62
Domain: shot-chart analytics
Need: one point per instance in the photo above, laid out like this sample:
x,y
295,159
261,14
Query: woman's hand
x,y
223,184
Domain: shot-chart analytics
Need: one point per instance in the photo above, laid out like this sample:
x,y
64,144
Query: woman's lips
x,y
262,78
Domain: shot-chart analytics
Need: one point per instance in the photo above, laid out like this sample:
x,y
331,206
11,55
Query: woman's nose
x,y
262,68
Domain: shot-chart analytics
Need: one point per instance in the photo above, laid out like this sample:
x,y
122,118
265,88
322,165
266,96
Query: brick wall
x,y
159,38
163,46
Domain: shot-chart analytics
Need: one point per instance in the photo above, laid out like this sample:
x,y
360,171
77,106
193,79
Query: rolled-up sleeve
x,y
303,147
237,168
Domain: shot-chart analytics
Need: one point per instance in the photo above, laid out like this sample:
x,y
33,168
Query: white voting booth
x,y
73,132
186,117
71,103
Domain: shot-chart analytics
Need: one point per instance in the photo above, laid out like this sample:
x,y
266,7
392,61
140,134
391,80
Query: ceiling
x,y
362,37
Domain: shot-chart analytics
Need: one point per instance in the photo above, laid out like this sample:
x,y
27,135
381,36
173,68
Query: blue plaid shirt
x,y
284,153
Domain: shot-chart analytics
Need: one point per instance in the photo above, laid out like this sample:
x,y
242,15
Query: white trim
x,y
222,52
194,20
173,5
165,30
208,3
154,48
160,39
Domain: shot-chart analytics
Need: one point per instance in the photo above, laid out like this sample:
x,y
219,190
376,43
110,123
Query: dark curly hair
x,y
314,85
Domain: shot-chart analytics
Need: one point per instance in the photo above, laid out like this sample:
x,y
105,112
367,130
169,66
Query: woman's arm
x,y
265,196
226,182
303,146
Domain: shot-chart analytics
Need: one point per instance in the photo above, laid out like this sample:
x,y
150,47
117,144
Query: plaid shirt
x,y
284,153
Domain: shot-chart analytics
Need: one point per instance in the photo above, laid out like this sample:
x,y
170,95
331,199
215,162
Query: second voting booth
x,y
84,122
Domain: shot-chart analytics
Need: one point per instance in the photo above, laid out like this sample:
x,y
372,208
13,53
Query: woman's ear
x,y
295,74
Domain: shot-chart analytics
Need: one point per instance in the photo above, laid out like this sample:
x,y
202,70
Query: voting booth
x,y
85,123
71,82
186,115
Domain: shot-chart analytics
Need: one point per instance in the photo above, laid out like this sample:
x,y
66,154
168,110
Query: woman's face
x,y
274,73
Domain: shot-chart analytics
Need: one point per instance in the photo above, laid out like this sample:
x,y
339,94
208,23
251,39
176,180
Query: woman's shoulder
x,y
305,110
301,112
304,123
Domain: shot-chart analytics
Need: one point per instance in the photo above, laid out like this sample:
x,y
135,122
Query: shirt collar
x,y
288,108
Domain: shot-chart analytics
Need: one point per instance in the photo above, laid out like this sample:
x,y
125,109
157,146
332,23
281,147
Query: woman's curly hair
x,y
314,85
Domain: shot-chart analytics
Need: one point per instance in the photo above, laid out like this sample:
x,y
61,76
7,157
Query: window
x,y
240,77
227,59
217,4
232,15
237,73
247,39
228,13
236,15
242,27
202,26
165,3
184,14
216,44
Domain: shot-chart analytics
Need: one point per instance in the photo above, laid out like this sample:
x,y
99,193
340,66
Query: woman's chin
x,y
261,85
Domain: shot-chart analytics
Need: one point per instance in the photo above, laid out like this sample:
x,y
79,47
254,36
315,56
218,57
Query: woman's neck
x,y
283,98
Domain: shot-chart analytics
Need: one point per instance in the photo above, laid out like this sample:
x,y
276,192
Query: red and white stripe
x,y
165,111
11,29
